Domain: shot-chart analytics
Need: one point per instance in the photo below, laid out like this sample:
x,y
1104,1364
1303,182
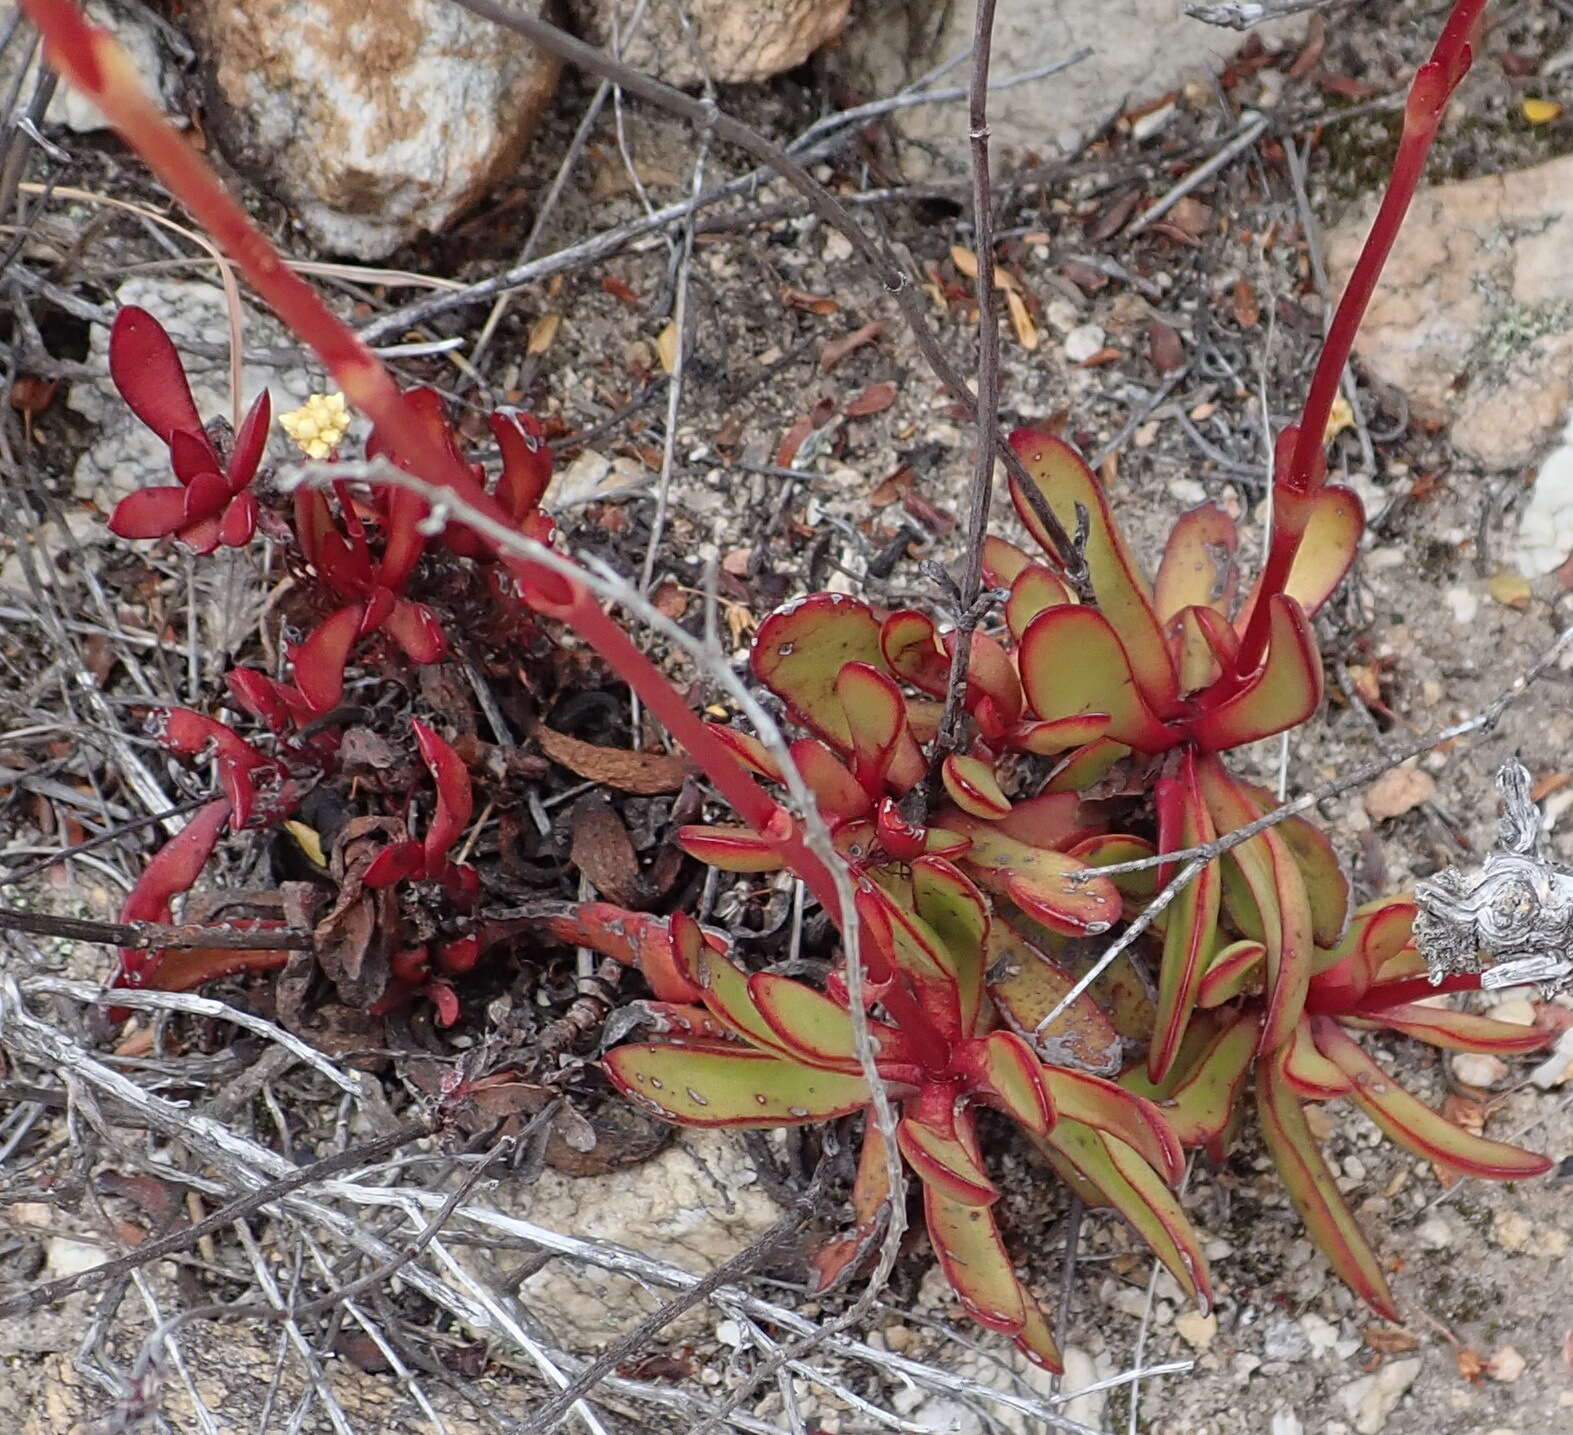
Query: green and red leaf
x,y
1111,1109
1004,1068
1038,880
975,1262
800,649
1027,985
970,783
1198,566
1202,1105
945,1162
1284,691
837,1258
1454,1030
732,849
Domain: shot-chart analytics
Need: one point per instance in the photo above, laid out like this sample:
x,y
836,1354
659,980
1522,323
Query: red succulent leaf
x,y
1085,767
274,703
416,629
1456,1030
454,800
149,513
1048,738
319,661
754,754
191,454
148,372
379,606
876,721
1327,1217
909,643
991,675
445,999
1003,562
837,793
838,1257
815,1029
899,838
526,460
1285,691
398,862
206,495
1190,933
173,869
974,1259
251,442
732,849
1008,1075
459,955
1111,1109
239,521
946,1158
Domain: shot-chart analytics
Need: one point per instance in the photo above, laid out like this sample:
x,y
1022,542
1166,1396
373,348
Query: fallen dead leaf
x,y
603,851
1506,1365
643,773
1540,112
875,399
1510,590
1470,1365
542,332
1164,346
1390,1339
1543,787
964,260
1026,331
838,349
1247,312
666,348
1320,1123
1400,790
820,304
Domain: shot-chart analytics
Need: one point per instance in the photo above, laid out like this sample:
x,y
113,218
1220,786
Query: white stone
x,y
1475,1068
1557,1067
374,123
1369,1400
1322,1335
1464,603
65,1257
1081,1370
1434,1233
1286,1422
1545,530
1197,1330
1083,342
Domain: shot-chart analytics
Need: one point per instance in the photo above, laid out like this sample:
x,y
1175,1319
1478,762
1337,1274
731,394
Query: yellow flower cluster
x,y
319,425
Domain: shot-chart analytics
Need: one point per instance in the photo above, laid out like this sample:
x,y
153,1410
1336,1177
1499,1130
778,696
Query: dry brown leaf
x,y
1470,1365
542,332
1021,321
1465,1112
1247,312
669,600
820,304
964,260
1510,590
603,851
838,349
666,348
1390,1339
1400,790
643,773
875,399
1164,346
1543,787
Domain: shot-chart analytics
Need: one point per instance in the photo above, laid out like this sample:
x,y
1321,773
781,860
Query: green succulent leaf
x,y
975,1262
1117,1176
1272,877
1064,479
958,915
1037,880
1333,529
1048,739
1376,931
1073,665
945,1162
970,783
1191,932
1328,1220
1326,886
1201,1106
1414,1125
1119,1113
1084,768
811,1026
697,1085
1002,561
876,717
1032,590
839,795
1235,969
1110,849
1027,985
1036,1337
1455,1030
1285,691
1310,1073
1005,1068
732,849
801,648
910,644
1198,566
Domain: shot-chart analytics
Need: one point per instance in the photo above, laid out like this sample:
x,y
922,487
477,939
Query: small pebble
x,y
1435,1234
1197,1330
1506,1365
1511,1231
1083,342
1475,1068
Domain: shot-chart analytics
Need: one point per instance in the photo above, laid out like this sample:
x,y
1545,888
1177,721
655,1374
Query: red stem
x,y
1391,994
1299,471
94,63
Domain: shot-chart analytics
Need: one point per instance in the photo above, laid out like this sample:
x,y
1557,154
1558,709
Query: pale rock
x,y
1083,342
1545,530
1557,1067
1197,1330
1474,315
1284,1339
1506,1365
1475,1068
1397,791
1062,314
64,1257
157,52
1321,1334
946,1416
1286,1422
738,41
1434,1233
1464,605
1082,1370
984,1367
695,1205
1143,48
374,123
1515,1011
1369,1400
126,455
1511,1230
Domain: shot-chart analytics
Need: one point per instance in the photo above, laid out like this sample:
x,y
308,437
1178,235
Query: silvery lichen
x,y
1510,918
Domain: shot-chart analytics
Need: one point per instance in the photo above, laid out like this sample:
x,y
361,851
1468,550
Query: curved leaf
x,y
1119,1113
1310,1073
958,915
1064,479
1234,970
1328,1219
1198,566
696,1085
1038,880
1073,665
1334,524
149,513
732,849
816,1029
1047,739
1031,591
1002,561
1326,884
1191,932
1082,769
838,1257
801,647
971,785
839,794
1458,1030
975,1262
1284,692
910,644
876,720
151,379
1202,1104
319,661
1013,1078
945,1163
1110,849
1027,985
1413,1124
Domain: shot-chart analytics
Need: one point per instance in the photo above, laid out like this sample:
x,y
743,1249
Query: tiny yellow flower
x,y
319,425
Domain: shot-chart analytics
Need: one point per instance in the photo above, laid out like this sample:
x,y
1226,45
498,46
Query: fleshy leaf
x,y
1031,591
1038,880
251,441
958,915
1272,877
1328,1219
945,1163
1377,930
1334,525
1413,1124
416,629
1014,1079
876,718
1284,692
732,849
1082,769
753,753
1198,565
1064,479
1311,1074
801,647
148,372
149,513
1073,665
806,1021
1116,1175
1027,985
975,1261
319,661
1459,1030
837,792
1050,738
1002,561
1201,1106
971,785
1110,849
173,869
1326,886
454,800
1234,970
837,1258
910,644
1036,1337
1119,1113
1190,934
696,1085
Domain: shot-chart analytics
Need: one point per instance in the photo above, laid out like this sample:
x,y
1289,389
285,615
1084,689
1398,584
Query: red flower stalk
x,y
212,504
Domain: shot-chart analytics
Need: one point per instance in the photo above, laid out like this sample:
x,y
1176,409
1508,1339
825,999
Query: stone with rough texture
x,y
1141,48
695,1205
1473,319
737,41
374,123
1369,1400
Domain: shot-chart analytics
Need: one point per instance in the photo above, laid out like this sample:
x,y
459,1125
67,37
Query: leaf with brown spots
x,y
643,773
